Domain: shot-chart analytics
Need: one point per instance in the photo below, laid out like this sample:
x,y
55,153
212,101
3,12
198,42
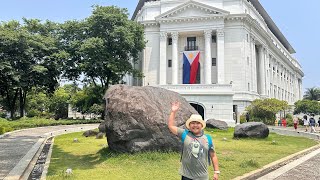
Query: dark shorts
x,y
185,178
295,125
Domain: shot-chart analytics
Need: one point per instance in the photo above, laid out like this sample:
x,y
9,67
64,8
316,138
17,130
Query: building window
x,y
247,37
191,44
169,63
169,41
248,86
214,39
248,60
214,62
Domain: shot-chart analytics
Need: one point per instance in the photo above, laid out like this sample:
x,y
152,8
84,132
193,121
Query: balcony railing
x,y
191,48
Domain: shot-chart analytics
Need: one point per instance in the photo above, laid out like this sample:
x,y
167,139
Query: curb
x,y
24,167
289,132
276,164
284,169
7,134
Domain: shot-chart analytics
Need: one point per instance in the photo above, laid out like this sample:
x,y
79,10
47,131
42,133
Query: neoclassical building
x,y
218,54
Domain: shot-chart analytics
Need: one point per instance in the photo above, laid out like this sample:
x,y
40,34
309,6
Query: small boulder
x,y
102,127
217,124
251,129
90,133
75,140
99,135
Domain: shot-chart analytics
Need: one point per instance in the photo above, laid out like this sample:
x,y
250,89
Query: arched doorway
x,y
199,108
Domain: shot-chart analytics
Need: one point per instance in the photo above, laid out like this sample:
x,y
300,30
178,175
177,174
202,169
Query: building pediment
x,y
192,9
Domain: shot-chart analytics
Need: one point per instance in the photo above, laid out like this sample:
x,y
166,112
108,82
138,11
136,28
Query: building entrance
x,y
199,108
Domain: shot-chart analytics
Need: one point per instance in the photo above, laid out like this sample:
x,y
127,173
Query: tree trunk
x,y
12,102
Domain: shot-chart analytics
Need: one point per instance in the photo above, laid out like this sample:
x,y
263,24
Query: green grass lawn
x,y
91,159
23,123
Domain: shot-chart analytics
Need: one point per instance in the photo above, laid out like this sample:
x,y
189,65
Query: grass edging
x,y
276,164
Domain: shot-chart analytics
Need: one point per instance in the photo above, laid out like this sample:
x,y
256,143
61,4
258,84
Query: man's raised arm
x,y
171,122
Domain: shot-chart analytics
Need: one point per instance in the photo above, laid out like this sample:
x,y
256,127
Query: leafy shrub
x,y
243,119
33,113
3,115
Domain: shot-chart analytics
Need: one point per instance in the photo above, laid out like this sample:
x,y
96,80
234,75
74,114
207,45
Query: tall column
x,y
262,73
220,56
208,57
254,66
268,72
175,69
163,59
300,89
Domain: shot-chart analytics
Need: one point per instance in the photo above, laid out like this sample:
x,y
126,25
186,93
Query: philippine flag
x,y
190,66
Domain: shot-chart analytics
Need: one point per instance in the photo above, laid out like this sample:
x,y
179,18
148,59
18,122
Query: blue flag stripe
x,y
186,70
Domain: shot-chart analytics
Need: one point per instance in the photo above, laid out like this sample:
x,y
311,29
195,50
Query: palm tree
x,y
312,94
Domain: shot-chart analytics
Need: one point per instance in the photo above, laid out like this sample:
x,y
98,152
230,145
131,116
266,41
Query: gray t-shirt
x,y
194,162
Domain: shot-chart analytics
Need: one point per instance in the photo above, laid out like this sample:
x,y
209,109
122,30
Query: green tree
x,y
88,100
312,94
29,58
37,103
58,103
102,47
265,110
307,107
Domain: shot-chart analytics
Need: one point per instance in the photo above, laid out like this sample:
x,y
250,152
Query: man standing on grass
x,y
197,152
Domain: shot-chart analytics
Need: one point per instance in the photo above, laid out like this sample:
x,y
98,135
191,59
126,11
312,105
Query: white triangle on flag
x,y
191,55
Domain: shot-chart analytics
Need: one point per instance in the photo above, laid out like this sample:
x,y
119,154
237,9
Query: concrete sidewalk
x,y
306,167
299,166
18,148
300,132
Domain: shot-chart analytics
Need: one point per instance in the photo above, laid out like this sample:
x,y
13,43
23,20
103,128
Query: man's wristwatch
x,y
217,172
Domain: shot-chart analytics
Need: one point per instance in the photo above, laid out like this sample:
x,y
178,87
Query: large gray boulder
x,y
251,129
217,124
136,118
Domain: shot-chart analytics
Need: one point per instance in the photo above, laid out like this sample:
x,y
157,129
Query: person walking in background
x,y
312,122
319,123
306,122
247,117
295,123
284,122
279,122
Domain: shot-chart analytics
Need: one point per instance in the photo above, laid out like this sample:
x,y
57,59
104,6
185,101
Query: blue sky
x,y
299,22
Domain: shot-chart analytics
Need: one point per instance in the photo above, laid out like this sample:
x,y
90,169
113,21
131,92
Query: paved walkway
x,y
19,147
306,167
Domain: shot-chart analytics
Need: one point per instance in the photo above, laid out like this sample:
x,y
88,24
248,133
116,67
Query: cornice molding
x,y
189,19
149,23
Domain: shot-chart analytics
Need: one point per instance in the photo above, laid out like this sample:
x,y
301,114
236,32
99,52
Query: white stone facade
x,y
243,55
